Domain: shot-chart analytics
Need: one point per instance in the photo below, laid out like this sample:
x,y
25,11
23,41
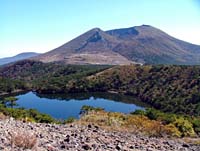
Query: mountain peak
x,y
96,29
146,25
143,44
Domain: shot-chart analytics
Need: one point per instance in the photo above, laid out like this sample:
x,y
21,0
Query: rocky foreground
x,y
16,136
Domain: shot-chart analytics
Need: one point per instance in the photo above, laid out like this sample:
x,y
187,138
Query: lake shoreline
x,y
69,105
5,94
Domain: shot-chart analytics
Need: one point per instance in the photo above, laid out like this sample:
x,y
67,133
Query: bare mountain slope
x,y
92,47
141,44
151,45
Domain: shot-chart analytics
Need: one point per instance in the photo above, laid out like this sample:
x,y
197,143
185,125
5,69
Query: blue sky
x,y
42,25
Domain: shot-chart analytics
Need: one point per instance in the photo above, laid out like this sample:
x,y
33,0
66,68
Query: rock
x,y
66,140
87,139
86,147
94,146
41,136
89,126
50,147
186,145
118,147
54,137
62,146
95,131
67,136
96,127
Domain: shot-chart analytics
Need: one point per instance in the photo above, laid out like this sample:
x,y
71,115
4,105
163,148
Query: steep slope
x,y
18,57
92,47
153,46
141,44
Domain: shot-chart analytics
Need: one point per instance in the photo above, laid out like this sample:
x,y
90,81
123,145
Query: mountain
x,y
92,47
139,44
18,57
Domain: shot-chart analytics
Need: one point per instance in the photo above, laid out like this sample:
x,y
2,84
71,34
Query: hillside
x,y
167,88
18,57
139,44
172,90
37,136
50,77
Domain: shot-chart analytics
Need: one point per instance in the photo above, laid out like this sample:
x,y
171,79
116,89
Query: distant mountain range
x,y
139,44
18,57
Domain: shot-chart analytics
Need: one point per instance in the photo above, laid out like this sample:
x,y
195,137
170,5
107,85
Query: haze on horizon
x,y
41,26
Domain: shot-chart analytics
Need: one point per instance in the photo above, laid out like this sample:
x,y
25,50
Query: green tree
x,y
10,101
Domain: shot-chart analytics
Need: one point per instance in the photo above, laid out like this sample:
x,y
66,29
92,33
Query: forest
x,y
172,89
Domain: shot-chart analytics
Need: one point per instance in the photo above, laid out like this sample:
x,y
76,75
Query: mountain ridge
x,y
138,44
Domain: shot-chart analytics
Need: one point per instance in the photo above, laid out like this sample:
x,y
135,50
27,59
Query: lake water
x,y
64,106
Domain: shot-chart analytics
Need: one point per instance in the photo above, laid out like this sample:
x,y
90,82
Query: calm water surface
x,y
64,106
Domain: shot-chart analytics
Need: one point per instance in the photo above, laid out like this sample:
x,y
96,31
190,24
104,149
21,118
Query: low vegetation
x,y
23,140
150,122
30,115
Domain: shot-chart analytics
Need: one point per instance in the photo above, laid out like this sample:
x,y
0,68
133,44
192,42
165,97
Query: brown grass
x,y
128,123
22,139
195,141
2,116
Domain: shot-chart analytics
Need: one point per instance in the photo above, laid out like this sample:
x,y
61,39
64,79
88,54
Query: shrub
x,y
30,115
196,125
184,126
24,140
172,130
139,112
2,116
85,109
69,120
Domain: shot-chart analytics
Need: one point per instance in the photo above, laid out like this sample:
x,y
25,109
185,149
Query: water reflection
x,y
83,96
63,106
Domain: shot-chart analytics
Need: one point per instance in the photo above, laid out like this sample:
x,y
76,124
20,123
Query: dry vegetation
x,y
22,139
137,124
2,116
